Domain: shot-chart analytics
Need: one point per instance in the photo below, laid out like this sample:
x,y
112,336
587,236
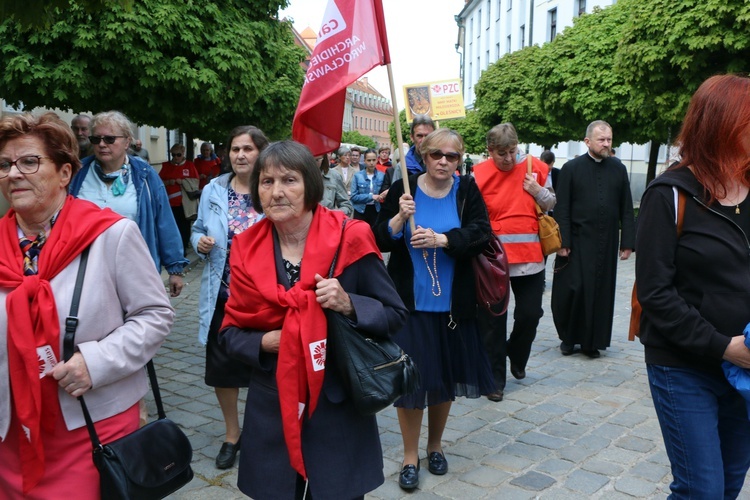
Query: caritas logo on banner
x,y
333,22
445,88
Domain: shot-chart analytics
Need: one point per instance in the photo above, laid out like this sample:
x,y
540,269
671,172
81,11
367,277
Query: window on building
x,y
479,23
479,69
522,36
581,7
497,51
487,62
488,13
499,2
510,5
471,25
552,22
471,69
507,45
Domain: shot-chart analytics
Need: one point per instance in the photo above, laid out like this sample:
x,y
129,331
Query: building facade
x,y
489,29
371,113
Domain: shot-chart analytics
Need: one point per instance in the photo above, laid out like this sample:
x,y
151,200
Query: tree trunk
x,y
653,157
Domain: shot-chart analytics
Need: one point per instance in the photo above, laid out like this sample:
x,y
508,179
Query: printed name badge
x,y
46,358
186,172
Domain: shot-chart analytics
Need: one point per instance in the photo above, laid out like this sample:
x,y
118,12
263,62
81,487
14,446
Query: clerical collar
x,y
597,160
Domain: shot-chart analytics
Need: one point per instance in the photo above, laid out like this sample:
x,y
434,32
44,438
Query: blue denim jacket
x,y
212,221
154,217
360,189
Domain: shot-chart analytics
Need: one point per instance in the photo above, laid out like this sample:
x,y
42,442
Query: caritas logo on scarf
x,y
318,355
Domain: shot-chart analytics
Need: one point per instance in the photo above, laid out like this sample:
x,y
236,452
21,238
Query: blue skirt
x,y
452,362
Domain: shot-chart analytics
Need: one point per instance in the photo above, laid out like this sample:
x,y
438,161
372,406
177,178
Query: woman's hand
x,y
206,244
427,238
331,295
73,375
737,352
406,207
175,285
270,341
530,185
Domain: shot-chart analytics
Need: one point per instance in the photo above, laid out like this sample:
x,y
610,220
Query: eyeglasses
x,y
437,155
176,154
25,164
108,139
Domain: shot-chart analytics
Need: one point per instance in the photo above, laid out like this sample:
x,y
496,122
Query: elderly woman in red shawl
x,y
307,438
123,318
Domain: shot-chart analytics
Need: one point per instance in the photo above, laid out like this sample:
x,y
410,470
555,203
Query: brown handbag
x,y
492,277
549,231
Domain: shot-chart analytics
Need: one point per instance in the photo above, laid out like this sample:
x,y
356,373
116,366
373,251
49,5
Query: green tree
x,y
667,49
201,66
471,129
406,136
354,137
507,92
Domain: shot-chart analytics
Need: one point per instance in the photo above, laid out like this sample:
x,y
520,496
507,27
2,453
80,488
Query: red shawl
x,y
33,320
258,302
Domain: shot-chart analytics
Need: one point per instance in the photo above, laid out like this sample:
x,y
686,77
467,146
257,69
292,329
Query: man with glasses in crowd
x,y
181,180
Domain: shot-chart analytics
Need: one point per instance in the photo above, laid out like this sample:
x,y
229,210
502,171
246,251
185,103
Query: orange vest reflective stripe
x,y
511,209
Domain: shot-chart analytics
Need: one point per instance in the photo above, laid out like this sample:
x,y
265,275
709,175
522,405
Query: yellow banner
x,y
440,100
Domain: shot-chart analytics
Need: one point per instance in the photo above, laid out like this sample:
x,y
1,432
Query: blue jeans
x,y
706,431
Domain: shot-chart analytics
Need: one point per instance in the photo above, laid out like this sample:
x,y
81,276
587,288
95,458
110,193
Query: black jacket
x,y
463,244
695,289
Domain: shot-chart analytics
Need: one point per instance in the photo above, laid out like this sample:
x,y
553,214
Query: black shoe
x,y
408,478
566,349
437,464
227,455
593,353
495,396
518,373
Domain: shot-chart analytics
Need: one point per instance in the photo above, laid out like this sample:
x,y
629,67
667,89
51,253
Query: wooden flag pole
x,y
399,142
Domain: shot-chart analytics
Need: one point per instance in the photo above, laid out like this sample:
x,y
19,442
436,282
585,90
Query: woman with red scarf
x,y
124,316
308,441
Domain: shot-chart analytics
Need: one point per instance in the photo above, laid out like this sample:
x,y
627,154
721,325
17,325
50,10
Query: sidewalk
x,y
573,428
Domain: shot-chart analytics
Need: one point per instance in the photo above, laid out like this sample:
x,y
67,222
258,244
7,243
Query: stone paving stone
x,y
489,438
512,426
635,444
543,440
628,419
611,431
585,482
638,488
555,467
507,462
534,453
533,481
484,477
466,424
562,429
602,467
650,471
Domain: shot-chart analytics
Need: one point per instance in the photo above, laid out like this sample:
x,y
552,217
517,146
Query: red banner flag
x,y
352,40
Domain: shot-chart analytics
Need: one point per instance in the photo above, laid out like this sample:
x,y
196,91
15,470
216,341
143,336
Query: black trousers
x,y
183,225
527,293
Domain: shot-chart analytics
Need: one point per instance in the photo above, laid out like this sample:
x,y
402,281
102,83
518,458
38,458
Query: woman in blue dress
x,y
431,268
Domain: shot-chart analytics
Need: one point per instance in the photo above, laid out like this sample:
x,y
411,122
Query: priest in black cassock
x,y
595,213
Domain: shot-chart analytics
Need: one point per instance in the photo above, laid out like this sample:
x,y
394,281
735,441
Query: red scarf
x,y
258,302
33,320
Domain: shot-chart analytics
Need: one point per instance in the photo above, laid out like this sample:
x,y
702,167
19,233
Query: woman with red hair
x,y
694,287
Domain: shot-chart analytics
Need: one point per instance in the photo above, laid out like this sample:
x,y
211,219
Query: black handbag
x,y
375,372
149,463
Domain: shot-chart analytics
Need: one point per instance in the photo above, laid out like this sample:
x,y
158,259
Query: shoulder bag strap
x,y
336,255
71,325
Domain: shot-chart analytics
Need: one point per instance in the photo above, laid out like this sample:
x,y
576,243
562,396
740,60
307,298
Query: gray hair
x,y
344,150
502,136
115,119
421,120
595,125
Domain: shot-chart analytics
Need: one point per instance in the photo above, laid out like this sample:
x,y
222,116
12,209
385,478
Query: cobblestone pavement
x,y
573,428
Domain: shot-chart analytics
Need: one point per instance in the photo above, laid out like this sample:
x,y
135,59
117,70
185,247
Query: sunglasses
x,y
438,155
108,139
176,154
